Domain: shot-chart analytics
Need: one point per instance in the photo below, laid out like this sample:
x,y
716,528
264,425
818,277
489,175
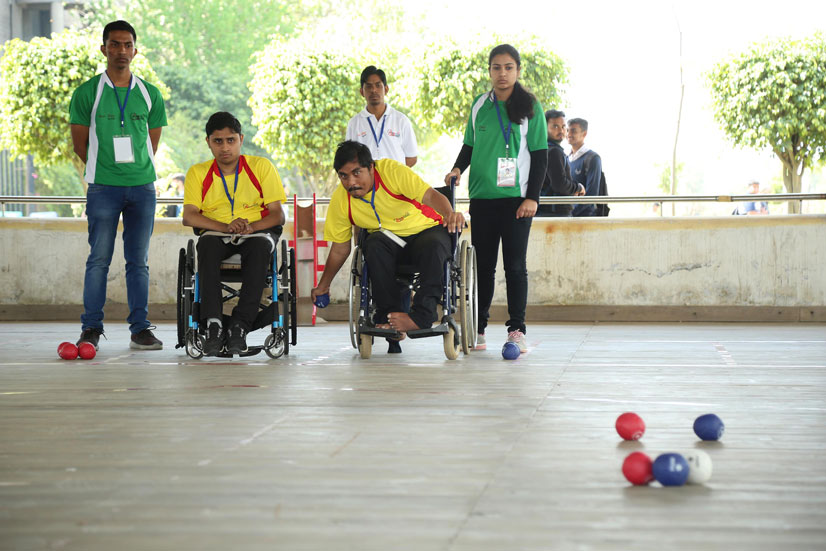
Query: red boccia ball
x,y
86,350
630,426
67,351
637,469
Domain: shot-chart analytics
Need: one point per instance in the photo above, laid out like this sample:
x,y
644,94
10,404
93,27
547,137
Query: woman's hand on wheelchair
x,y
454,222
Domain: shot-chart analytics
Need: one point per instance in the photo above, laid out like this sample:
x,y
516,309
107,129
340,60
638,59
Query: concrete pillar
x,y
58,22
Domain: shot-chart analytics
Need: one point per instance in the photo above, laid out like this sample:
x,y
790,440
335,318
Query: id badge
x,y
506,172
123,149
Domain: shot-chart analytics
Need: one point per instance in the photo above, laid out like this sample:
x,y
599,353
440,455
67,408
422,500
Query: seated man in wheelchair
x,y
238,195
407,221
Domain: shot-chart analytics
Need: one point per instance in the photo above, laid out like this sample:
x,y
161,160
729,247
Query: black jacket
x,y
557,182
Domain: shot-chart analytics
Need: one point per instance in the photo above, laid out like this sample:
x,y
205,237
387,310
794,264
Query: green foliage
x,y
452,75
302,98
665,176
38,80
59,179
774,96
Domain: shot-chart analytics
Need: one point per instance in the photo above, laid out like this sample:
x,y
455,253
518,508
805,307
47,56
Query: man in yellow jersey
x,y
407,221
235,194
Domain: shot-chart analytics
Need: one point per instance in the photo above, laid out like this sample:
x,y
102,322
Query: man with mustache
x,y
407,221
116,121
387,132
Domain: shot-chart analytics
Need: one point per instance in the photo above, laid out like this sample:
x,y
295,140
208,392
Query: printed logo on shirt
x,y
401,218
482,128
362,134
137,116
393,134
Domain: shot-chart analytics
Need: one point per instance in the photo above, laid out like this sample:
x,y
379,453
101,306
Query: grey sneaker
x,y
90,335
480,342
518,337
145,340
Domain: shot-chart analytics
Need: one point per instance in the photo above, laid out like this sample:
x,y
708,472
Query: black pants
x,y
255,257
492,221
427,251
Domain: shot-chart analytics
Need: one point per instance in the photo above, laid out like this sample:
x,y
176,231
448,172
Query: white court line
x,y
246,441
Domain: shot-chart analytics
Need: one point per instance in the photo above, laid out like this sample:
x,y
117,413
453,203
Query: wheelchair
x,y
279,314
459,299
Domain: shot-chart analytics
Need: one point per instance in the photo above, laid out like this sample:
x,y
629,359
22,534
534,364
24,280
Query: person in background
x,y
752,208
586,165
558,180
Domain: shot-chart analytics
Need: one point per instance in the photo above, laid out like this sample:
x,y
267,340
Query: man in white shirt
x,y
387,132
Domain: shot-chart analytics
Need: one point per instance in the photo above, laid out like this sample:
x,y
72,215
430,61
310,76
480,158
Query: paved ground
x,y
323,450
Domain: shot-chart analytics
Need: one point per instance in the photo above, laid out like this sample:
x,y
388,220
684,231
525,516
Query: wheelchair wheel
x,y
285,298
365,346
275,343
181,299
194,344
468,296
354,298
451,344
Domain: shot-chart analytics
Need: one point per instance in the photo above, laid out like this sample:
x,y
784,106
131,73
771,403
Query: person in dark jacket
x,y
558,180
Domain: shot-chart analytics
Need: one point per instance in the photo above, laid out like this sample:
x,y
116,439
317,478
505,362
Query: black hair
x,y
371,70
553,114
118,25
221,120
350,151
520,103
583,124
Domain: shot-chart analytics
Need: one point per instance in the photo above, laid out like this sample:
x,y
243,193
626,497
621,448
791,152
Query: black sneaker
x,y
145,340
214,340
236,339
90,335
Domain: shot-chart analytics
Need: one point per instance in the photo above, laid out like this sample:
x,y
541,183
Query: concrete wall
x,y
760,268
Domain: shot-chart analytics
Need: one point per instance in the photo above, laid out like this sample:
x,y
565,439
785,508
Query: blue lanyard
x,y
121,107
235,188
381,132
372,202
505,134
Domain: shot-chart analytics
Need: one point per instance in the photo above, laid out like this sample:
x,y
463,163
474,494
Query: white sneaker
x,y
480,342
518,337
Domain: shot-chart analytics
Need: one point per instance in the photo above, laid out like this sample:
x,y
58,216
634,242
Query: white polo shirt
x,y
393,132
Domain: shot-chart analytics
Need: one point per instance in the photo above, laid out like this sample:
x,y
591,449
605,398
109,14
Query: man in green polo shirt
x,y
116,120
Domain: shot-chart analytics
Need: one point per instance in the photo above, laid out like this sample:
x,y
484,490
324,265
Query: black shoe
x,y
90,335
393,347
214,339
236,339
145,340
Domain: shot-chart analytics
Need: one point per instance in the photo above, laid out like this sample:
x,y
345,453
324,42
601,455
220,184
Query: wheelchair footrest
x,y
378,332
251,351
440,329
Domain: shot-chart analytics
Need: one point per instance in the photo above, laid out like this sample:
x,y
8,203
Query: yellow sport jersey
x,y
397,197
258,186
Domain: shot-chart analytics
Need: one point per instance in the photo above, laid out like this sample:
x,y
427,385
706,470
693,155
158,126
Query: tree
x,y
774,96
38,80
302,98
454,74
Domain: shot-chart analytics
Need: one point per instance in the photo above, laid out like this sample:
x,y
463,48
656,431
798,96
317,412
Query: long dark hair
x,y
520,104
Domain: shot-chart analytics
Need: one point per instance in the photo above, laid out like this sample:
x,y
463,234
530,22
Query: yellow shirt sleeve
x,y
271,185
337,227
193,187
401,180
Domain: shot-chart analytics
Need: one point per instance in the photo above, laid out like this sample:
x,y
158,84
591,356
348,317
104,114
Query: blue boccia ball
x,y
709,427
510,351
670,469
322,300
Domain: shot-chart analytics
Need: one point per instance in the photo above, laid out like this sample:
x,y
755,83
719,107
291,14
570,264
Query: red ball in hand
x,y
630,426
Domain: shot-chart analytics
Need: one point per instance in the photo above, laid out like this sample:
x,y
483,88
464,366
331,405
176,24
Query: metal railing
x,y
591,199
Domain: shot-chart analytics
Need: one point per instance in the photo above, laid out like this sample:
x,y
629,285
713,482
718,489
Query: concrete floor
x,y
323,450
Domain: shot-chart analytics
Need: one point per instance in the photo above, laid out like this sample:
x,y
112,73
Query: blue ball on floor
x,y
322,301
670,469
709,427
510,351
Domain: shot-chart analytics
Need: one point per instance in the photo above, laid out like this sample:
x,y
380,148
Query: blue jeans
x,y
104,206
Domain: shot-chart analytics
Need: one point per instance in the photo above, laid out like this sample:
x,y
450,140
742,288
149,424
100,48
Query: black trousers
x,y
427,251
492,221
255,257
